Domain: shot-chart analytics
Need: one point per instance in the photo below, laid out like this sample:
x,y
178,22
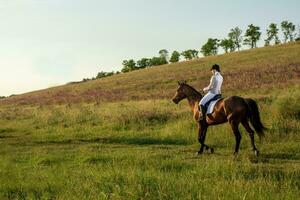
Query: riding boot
x,y
202,113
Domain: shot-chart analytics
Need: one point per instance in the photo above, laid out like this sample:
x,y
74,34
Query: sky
x,y
45,43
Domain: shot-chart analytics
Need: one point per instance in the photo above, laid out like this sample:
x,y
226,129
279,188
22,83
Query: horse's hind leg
x,y
235,128
251,134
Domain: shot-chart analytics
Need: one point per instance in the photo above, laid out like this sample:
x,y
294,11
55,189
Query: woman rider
x,y
213,90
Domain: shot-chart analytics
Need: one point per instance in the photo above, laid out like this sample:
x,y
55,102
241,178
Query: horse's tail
x,y
254,117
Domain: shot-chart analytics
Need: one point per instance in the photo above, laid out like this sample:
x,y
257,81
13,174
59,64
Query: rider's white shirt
x,y
215,84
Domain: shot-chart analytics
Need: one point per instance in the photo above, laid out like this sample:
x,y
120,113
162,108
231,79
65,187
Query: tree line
x,y
234,41
235,38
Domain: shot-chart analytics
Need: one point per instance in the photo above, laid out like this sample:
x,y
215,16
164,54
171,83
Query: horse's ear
x,y
181,82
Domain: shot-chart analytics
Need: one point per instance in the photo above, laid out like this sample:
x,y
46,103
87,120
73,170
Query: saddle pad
x,y
211,106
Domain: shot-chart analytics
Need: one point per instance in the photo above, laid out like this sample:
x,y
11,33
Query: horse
x,y
234,110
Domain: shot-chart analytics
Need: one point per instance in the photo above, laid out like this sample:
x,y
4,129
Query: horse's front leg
x,y
201,138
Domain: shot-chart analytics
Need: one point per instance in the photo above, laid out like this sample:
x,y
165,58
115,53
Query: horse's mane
x,y
198,93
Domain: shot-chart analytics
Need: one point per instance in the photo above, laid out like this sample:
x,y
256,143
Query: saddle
x,y
209,106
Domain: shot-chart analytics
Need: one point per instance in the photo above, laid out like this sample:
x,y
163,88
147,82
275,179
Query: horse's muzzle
x,y
175,100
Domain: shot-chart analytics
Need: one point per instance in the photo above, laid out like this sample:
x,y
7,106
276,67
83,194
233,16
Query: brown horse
x,y
234,110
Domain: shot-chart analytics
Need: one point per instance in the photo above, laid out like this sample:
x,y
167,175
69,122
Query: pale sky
x,y
44,43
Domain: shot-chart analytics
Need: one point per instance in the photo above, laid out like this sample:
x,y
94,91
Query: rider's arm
x,y
211,84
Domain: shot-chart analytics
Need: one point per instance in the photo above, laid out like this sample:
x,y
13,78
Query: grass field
x,y
56,145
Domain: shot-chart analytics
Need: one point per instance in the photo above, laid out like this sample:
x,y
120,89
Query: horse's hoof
x,y
256,152
199,153
212,150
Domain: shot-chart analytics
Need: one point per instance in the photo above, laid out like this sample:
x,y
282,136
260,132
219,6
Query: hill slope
x,y
245,70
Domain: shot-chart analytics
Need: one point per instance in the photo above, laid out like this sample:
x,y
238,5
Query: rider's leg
x,y
202,103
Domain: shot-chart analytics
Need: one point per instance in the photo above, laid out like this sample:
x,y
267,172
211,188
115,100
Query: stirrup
x,y
201,117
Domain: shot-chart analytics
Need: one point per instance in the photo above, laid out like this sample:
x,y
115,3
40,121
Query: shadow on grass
x,y
18,192
118,140
6,136
147,141
5,131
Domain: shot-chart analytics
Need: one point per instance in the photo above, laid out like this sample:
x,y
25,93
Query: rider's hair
x,y
216,67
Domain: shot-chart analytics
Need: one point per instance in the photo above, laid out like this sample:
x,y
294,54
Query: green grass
x,y
121,137
144,150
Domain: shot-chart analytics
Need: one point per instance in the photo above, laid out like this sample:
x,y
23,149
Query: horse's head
x,y
181,92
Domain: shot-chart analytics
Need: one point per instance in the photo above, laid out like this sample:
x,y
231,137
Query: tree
x,y
210,48
298,38
164,54
272,33
252,36
128,65
190,54
155,61
110,73
227,44
86,79
194,53
175,57
235,35
187,55
143,63
101,74
288,29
